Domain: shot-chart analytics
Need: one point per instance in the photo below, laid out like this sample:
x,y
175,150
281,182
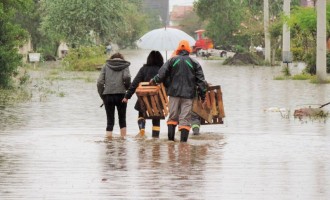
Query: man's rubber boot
x,y
196,130
184,135
155,131
171,132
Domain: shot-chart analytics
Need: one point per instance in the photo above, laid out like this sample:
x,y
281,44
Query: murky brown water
x,y
53,147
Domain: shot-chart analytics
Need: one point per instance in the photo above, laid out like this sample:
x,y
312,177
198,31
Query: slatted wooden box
x,y
153,100
214,112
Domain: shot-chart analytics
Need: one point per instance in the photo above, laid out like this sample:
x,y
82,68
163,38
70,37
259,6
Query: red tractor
x,y
202,43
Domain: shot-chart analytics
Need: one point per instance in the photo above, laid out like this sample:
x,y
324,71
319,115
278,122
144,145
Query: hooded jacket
x,y
114,78
182,74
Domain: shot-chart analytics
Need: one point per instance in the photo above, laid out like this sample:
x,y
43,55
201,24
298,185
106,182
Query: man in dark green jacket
x,y
183,74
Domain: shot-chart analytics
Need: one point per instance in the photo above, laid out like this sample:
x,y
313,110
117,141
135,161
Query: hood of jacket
x,y
117,64
183,53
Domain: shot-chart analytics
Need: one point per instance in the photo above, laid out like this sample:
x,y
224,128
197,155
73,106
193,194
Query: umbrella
x,y
164,39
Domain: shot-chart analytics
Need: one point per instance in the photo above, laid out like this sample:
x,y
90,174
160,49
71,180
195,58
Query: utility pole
x,y
266,26
286,53
321,60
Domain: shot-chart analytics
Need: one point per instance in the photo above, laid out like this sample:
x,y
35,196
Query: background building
x,y
178,13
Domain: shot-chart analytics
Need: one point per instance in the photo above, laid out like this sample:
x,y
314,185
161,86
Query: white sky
x,y
180,2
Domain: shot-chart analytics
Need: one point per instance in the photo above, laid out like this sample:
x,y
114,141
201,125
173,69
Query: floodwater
x,y
53,146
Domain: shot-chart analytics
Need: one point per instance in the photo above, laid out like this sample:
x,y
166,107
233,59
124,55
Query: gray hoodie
x,y
114,78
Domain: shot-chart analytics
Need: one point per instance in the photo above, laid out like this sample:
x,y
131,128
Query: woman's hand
x,y
124,100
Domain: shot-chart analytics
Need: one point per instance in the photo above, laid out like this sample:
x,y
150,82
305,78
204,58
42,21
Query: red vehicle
x,y
202,43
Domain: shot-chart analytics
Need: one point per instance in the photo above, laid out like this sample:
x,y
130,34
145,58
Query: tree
x,y
236,21
223,19
11,37
136,24
30,20
303,25
82,22
190,23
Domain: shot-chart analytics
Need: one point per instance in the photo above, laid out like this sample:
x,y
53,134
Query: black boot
x,y
141,123
184,135
171,132
155,134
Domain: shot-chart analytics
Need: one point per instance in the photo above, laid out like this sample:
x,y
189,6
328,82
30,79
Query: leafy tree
x,y
136,24
190,23
83,22
223,18
11,37
236,22
303,22
29,19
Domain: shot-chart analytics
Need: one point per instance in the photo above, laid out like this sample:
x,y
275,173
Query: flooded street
x,y
53,147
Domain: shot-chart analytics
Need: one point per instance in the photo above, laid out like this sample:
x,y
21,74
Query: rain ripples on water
x,y
53,146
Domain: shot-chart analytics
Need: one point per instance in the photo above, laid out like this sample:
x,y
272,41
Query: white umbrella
x,y
164,39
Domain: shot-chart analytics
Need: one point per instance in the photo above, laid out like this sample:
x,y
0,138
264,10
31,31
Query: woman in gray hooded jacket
x,y
112,83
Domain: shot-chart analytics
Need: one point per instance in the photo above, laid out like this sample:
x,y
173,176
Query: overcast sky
x,y
180,2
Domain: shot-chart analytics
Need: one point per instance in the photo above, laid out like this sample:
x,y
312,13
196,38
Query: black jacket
x,y
144,75
182,74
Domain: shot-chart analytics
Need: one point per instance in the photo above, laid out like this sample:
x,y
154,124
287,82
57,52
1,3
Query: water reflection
x,y
116,155
48,148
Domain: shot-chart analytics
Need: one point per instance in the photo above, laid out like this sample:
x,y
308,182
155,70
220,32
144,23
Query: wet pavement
x,y
53,146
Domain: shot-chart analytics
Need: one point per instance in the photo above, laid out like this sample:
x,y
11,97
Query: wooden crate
x,y
153,100
213,113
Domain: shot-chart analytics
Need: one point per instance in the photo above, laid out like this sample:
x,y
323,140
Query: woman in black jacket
x,y
149,70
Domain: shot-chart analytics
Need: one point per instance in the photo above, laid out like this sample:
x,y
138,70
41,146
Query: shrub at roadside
x,y
84,58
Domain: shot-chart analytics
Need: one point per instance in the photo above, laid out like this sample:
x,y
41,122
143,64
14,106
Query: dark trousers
x,y
155,122
111,101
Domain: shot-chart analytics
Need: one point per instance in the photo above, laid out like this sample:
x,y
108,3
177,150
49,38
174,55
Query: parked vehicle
x,y
202,43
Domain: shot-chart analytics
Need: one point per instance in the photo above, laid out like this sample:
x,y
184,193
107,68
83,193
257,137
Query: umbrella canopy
x,y
164,39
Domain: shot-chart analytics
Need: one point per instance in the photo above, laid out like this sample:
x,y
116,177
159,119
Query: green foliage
x,y
238,22
83,22
304,18
286,71
328,62
280,78
30,21
223,17
310,60
303,21
240,49
84,58
316,80
136,24
298,53
13,95
11,37
302,76
190,23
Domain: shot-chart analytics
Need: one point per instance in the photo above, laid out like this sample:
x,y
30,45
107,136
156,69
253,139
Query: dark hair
x,y
117,55
155,58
